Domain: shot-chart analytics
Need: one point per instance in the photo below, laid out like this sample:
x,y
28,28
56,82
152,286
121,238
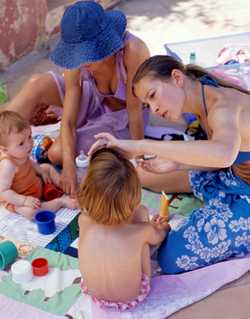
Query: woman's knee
x,y
55,152
148,180
174,182
43,86
37,82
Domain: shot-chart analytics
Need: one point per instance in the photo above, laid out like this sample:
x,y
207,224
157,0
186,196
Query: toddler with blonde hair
x,y
115,233
21,179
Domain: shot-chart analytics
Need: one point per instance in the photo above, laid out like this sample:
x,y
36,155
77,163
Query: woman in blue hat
x,y
100,59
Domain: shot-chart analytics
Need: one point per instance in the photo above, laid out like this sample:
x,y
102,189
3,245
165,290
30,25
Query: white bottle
x,y
81,164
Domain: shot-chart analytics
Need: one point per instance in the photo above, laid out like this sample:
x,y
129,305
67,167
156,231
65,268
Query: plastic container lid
x,y
21,271
82,160
40,266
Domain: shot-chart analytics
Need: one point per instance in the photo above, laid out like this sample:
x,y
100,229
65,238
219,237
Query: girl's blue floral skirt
x,y
215,232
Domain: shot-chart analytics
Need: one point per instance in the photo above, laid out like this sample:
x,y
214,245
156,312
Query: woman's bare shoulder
x,y
136,50
136,42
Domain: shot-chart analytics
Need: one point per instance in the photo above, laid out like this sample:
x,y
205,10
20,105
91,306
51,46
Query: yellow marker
x,y
164,212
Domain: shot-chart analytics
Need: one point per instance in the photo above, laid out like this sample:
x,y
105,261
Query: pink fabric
x,y
122,306
170,293
13,309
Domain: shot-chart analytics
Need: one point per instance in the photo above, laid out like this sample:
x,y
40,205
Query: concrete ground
x,y
156,22
161,21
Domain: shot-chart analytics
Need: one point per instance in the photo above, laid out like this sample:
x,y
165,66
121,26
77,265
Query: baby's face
x,y
20,144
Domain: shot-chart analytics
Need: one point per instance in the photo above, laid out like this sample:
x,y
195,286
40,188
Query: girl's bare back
x,y
113,258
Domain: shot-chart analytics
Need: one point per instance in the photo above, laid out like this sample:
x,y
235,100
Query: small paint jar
x,y
40,266
21,271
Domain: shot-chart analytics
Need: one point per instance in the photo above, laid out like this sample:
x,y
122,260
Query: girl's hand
x,y
32,202
160,223
157,165
106,140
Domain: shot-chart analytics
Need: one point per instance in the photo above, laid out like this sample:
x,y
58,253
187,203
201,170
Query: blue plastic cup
x,y
8,254
45,221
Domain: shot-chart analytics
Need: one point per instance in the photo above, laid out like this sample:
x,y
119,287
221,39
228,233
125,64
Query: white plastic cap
x,y
82,160
21,271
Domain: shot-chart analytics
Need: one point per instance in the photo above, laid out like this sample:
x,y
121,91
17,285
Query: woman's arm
x,y
220,151
184,167
159,165
135,53
68,129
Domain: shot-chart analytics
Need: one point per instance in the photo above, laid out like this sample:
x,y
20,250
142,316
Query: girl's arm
x,y
135,53
71,106
7,173
156,230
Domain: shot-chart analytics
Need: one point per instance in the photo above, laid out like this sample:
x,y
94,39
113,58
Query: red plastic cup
x,y
50,192
40,267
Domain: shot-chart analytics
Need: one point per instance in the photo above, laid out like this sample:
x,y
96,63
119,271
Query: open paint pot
x,y
8,253
21,271
40,266
45,221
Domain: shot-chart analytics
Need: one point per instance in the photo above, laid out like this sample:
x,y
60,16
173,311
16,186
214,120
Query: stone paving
x,y
156,22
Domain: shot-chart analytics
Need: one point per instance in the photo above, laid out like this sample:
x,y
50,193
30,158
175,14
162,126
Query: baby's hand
x,y
46,177
160,223
32,202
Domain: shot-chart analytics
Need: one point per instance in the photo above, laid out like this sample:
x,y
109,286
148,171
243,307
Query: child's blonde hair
x,y
111,189
11,122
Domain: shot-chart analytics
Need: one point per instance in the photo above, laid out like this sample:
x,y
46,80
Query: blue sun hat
x,y
88,34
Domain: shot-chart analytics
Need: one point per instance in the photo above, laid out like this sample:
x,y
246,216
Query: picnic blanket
x,y
180,207
62,296
14,226
58,294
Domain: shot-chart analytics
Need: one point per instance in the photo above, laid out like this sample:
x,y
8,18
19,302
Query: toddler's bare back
x,y
112,259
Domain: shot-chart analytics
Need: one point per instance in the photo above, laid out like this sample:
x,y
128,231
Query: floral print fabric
x,y
215,232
